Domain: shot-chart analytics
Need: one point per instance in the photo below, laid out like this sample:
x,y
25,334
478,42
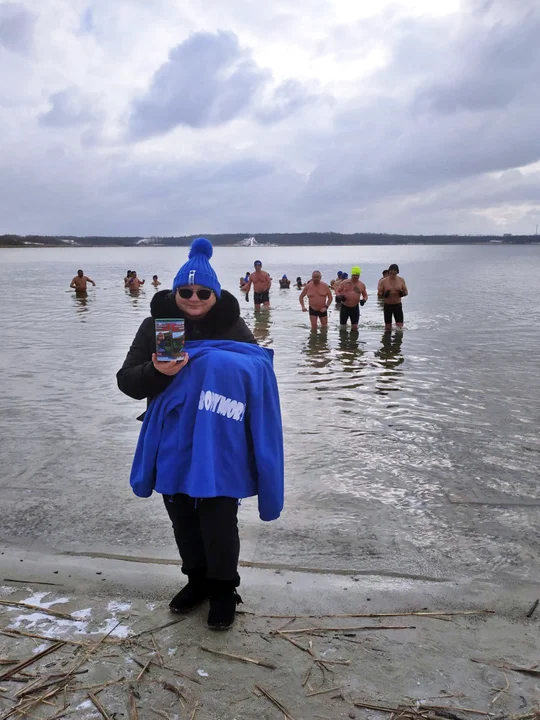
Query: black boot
x,y
192,594
223,601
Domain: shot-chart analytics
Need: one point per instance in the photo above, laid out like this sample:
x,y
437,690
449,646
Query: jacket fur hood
x,y
225,312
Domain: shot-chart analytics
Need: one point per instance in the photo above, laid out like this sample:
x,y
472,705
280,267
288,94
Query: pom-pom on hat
x,y
197,270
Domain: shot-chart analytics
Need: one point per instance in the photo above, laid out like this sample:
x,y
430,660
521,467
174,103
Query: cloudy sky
x,y
169,117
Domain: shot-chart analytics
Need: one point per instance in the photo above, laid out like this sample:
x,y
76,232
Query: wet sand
x,y
324,673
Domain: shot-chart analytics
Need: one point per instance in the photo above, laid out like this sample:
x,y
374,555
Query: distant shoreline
x,y
301,240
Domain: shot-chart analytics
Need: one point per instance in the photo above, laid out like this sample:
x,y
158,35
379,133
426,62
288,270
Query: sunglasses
x,y
186,293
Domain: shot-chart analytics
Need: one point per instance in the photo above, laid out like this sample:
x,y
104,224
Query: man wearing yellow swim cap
x,y
353,293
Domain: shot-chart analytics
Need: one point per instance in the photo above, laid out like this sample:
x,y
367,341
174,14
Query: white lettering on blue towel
x,y
216,403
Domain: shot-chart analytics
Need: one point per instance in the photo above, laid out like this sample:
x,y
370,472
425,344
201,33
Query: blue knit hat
x,y
197,270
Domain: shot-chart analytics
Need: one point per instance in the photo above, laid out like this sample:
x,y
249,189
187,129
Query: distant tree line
x,y
283,239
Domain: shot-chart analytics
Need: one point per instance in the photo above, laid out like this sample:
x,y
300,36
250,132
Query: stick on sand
x,y
38,608
239,657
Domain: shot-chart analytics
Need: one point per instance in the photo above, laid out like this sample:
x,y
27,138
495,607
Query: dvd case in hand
x,y
169,339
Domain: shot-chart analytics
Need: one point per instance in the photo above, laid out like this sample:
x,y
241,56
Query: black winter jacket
x,y
138,377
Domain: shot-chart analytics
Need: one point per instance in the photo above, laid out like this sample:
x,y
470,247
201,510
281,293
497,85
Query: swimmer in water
x,y
261,282
335,282
385,274
393,288
284,283
353,295
319,297
134,283
79,282
243,284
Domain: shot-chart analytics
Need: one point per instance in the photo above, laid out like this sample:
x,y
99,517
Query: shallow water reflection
x,y
390,358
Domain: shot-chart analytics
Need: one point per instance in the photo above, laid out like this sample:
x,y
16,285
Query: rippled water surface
x,y
414,453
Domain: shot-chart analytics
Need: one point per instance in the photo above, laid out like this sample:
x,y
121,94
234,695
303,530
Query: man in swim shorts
x,y
353,294
393,288
261,283
319,297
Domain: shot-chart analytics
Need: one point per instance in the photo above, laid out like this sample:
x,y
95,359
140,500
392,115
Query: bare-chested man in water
x,y
319,297
393,288
261,283
79,282
353,293
134,283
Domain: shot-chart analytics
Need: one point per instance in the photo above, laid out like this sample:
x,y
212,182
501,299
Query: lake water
x,y
416,454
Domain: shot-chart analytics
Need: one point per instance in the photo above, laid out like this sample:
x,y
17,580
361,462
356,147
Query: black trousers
x,y
206,533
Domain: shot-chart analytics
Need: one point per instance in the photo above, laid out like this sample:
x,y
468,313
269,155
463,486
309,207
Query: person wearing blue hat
x,y
284,283
334,285
197,472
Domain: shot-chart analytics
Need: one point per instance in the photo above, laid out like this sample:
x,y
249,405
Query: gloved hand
x,y
387,294
401,293
340,298
362,302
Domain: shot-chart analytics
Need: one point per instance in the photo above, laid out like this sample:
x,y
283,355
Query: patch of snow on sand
x,y
40,648
84,614
54,627
37,599
151,606
6,590
48,626
122,631
115,606
85,705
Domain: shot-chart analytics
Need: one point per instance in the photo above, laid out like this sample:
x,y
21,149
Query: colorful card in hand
x,y
169,339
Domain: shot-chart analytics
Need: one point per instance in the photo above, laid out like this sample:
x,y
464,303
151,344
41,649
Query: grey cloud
x,y
208,80
286,99
87,21
416,150
494,62
510,188
402,145
134,196
16,27
245,170
69,108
